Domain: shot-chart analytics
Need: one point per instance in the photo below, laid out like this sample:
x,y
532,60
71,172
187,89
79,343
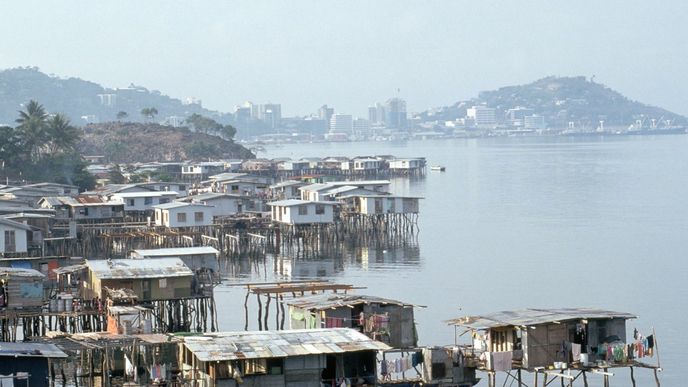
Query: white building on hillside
x,y
482,115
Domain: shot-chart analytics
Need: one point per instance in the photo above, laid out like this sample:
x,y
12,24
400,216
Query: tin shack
x,y
309,358
150,279
27,364
385,320
196,258
20,288
546,338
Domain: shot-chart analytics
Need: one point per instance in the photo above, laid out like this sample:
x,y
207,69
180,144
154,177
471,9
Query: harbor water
x,y
522,222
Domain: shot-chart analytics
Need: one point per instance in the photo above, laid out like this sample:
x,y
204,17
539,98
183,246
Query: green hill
x,y
77,98
128,142
561,100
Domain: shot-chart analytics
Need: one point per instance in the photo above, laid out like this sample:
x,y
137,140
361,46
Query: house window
x,y
10,242
181,217
164,200
162,283
147,201
131,202
234,188
319,209
198,216
303,210
182,187
272,366
378,206
391,205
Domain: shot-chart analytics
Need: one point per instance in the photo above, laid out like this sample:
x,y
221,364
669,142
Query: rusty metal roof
x,y
271,344
329,301
528,317
138,268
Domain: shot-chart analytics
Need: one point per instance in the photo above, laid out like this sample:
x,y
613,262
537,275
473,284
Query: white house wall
x,y
19,239
223,206
140,203
291,215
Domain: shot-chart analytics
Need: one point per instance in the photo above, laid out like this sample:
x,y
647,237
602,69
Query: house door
x,y
10,242
146,289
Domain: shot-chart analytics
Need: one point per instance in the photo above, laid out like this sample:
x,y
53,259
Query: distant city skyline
x,y
298,55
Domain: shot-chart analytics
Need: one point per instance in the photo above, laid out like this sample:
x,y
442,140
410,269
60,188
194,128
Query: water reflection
x,y
333,262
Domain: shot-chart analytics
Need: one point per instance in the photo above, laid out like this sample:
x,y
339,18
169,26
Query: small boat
x,y
439,168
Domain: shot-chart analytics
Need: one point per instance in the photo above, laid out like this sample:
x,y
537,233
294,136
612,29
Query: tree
x,y
9,147
209,126
228,132
115,175
61,135
122,115
149,113
32,129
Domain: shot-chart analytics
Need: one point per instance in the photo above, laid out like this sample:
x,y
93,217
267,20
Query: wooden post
x,y
535,382
260,313
632,377
248,292
585,379
606,379
544,380
656,378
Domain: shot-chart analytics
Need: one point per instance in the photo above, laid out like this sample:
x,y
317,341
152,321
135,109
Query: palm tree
x,y
32,128
122,115
149,113
62,135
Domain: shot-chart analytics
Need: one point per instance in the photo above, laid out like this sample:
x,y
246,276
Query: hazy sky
x,y
349,54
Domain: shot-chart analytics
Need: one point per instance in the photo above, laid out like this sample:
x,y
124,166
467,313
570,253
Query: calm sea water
x,y
525,222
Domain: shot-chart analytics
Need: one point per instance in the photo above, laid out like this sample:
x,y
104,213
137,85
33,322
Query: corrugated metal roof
x,y
167,206
13,224
78,201
149,194
270,344
69,269
176,251
139,268
298,202
30,350
329,301
287,183
20,272
213,195
528,317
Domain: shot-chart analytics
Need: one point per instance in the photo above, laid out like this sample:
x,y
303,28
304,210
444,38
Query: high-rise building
x,y
516,115
395,110
372,114
381,114
269,113
361,126
341,123
482,115
325,113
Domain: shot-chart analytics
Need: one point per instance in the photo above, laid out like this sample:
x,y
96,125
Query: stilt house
x,y
308,358
381,319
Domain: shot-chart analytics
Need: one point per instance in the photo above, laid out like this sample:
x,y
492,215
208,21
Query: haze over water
x,y
529,222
